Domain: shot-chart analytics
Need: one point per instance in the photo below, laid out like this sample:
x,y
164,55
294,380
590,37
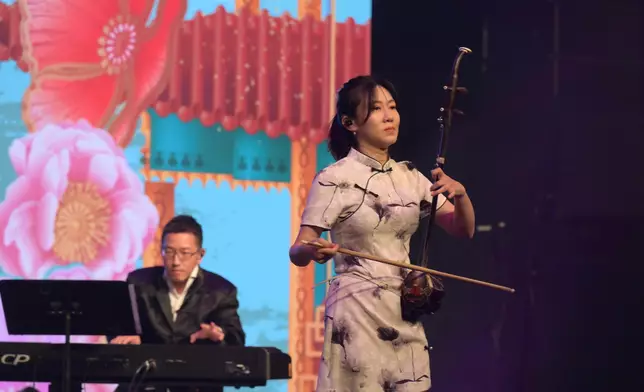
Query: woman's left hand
x,y
443,183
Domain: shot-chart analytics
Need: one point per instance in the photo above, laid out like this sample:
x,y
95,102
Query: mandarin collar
x,y
369,161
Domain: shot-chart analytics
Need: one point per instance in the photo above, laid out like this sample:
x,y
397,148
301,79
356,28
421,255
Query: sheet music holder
x,y
69,307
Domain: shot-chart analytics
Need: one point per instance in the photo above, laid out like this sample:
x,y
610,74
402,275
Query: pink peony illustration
x,y
80,272
118,51
43,387
73,273
19,386
75,201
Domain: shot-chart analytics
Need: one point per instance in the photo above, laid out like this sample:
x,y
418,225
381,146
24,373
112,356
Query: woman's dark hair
x,y
354,92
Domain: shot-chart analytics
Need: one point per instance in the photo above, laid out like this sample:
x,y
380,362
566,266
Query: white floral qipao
x,y
372,208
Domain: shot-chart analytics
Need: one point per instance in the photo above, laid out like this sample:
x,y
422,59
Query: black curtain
x,y
551,151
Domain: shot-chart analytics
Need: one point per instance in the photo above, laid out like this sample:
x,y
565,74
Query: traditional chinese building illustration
x,y
248,103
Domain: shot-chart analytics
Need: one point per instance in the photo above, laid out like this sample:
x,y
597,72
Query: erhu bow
x,y
421,293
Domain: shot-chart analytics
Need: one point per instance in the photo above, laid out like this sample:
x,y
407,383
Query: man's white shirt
x,y
176,298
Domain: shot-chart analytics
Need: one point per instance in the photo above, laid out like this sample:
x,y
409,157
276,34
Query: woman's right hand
x,y
310,246
323,253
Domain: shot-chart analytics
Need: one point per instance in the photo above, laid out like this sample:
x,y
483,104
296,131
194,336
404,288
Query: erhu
x,y
422,293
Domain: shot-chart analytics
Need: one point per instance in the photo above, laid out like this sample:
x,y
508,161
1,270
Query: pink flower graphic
x,y
73,273
19,386
80,272
120,51
75,200
42,387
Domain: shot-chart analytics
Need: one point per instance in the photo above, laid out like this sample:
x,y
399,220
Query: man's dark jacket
x,y
210,298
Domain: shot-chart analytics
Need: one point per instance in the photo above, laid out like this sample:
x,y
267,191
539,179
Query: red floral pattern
x,y
88,57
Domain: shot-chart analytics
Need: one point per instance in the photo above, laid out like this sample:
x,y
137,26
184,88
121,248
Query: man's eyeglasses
x,y
183,255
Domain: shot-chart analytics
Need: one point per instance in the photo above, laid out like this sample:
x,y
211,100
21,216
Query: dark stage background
x,y
552,147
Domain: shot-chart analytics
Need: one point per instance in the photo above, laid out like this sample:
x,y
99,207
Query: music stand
x,y
69,307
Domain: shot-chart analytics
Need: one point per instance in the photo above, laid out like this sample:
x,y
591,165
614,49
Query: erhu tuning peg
x,y
457,111
463,90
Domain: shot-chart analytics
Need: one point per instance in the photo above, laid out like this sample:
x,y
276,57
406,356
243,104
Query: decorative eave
x,y
260,72
192,178
205,178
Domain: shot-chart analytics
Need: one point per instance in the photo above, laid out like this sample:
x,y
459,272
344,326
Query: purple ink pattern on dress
x,y
372,208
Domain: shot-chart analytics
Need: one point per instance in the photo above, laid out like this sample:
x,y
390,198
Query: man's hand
x,y
208,331
126,340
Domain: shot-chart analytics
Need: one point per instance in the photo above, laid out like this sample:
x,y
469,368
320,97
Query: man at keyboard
x,y
179,302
